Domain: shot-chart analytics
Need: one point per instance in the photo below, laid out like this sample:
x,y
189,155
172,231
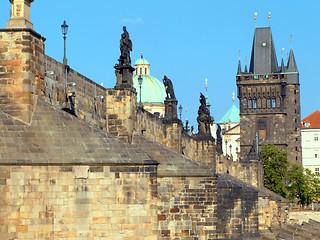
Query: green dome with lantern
x,y
152,90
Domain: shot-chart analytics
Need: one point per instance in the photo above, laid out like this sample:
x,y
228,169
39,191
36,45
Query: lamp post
x,y
140,80
226,142
64,29
230,150
180,111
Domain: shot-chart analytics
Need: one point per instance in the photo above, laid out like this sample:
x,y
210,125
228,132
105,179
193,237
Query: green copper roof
x,y
153,91
141,61
232,115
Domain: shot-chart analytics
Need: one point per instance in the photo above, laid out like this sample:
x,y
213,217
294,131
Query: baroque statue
x,y
125,48
169,88
204,118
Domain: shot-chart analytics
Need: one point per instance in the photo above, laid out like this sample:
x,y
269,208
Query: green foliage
x,y
303,185
275,166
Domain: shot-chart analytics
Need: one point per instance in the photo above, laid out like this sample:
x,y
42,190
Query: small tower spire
x,y
246,67
282,62
141,54
233,97
269,17
239,65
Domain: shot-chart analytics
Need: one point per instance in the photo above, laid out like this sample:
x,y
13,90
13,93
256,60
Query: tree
x,y
303,185
275,166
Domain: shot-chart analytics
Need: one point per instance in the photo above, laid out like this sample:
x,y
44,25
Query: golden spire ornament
x,y
233,98
269,17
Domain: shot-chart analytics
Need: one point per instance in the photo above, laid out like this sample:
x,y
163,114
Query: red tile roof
x,y
313,119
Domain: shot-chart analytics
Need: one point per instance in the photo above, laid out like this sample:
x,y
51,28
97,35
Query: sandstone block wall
x,y
21,68
203,151
273,212
78,202
187,207
121,113
86,101
150,126
249,172
237,210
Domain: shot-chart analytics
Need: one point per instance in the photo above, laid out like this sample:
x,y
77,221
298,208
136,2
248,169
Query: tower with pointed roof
x,y
269,97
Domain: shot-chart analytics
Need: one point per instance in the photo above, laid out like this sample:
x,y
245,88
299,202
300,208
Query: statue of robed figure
x,y
124,69
204,118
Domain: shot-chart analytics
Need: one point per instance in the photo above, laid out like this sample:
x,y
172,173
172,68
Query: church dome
x,y
152,90
141,61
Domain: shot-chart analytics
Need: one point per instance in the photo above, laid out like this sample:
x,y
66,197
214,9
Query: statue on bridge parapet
x,y
169,88
170,103
204,119
124,69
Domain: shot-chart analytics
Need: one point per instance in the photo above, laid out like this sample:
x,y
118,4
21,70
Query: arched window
x,y
273,102
145,71
250,103
268,103
140,70
254,103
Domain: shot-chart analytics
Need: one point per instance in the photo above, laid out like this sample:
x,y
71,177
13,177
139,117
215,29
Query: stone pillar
x,y
171,109
121,113
20,14
124,77
22,65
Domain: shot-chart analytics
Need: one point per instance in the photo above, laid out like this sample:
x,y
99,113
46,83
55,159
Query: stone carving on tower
x,y
20,14
124,69
204,118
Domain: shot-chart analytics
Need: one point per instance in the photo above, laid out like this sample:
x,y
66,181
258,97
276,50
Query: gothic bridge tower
x,y
269,97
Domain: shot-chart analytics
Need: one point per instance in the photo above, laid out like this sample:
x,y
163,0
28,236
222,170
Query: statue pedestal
x,y
124,76
171,109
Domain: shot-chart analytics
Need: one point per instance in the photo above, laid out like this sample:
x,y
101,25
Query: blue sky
x,y
186,40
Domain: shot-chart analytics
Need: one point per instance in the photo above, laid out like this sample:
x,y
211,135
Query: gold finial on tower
x,y
282,51
269,17
233,98
255,18
291,41
141,54
206,84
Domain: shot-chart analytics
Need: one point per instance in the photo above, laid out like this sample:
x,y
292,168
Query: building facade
x,y
269,97
310,133
230,129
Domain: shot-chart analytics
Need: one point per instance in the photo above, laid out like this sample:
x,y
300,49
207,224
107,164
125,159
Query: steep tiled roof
x,y
57,137
232,115
313,120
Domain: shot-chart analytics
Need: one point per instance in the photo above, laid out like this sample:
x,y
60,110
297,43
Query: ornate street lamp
x,y
64,28
140,80
180,111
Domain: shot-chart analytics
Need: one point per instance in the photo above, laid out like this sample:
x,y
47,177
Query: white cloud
x,y
132,21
